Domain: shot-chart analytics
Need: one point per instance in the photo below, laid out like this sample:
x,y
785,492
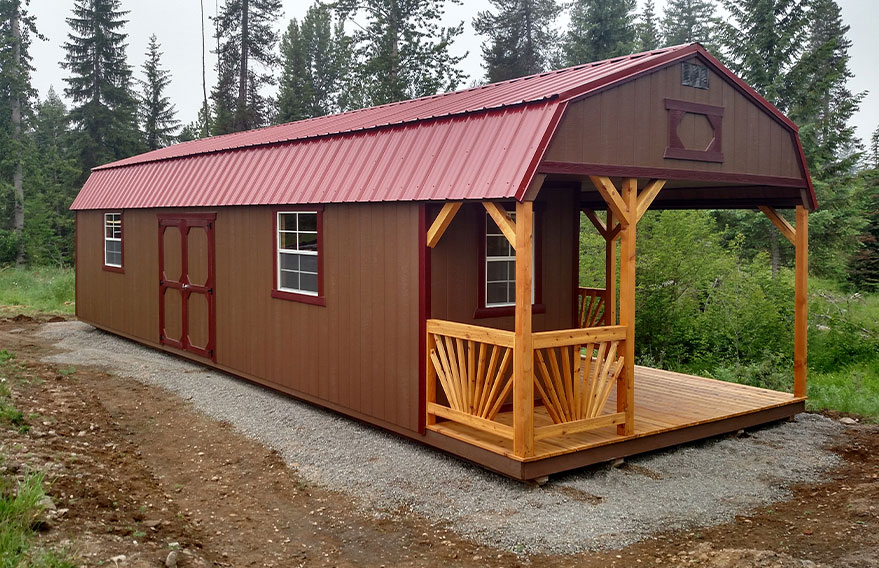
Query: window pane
x,y
286,221
114,258
497,271
308,282
288,241
290,280
289,261
511,293
114,246
497,246
308,241
308,221
308,262
496,293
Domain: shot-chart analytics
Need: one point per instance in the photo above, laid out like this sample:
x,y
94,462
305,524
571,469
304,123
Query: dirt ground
x,y
135,473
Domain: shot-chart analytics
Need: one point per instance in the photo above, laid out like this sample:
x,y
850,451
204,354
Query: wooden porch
x,y
531,403
664,402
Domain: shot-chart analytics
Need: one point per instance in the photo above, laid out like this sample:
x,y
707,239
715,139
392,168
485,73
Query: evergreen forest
x,y
724,309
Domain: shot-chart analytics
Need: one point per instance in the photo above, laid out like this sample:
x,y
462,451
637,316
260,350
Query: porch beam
x,y
801,301
781,223
614,201
626,386
523,341
610,271
648,194
596,222
442,222
504,222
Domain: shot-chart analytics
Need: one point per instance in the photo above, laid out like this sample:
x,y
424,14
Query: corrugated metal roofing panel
x,y
533,88
488,154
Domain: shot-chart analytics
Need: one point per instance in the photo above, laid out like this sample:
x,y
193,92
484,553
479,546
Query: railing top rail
x,y
469,332
590,289
581,336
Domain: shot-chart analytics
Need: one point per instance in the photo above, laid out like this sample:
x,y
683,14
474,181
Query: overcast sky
x,y
176,23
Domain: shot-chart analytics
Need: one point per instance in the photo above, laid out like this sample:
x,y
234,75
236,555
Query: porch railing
x,y
473,366
591,304
470,377
575,371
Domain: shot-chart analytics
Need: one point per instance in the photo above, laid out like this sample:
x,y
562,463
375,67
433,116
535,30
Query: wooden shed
x,y
415,265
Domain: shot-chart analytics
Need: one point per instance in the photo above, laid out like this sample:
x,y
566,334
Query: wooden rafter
x,y
601,226
442,222
614,201
781,223
647,195
598,223
504,222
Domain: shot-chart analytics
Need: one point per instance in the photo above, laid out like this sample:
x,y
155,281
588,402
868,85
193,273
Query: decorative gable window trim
x,y
297,272
114,250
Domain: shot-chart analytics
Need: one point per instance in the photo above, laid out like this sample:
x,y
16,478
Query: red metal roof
x,y
480,143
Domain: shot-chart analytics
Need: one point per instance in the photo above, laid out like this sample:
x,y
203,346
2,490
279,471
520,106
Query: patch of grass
x,y
20,509
36,290
853,389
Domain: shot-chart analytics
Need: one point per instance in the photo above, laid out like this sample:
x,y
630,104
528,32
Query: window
x,y
113,240
500,266
497,294
297,262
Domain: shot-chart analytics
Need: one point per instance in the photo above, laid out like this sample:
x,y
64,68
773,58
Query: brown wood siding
x,y
127,302
628,126
454,264
359,352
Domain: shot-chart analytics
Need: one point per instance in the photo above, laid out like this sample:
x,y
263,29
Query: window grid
x,y
500,266
297,252
113,239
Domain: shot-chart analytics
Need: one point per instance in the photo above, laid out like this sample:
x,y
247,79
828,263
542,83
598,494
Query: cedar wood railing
x,y
469,377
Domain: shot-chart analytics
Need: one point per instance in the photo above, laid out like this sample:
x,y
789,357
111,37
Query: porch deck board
x,y
664,401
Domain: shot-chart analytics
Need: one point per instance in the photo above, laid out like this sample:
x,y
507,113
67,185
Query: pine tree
x,y
647,32
864,270
246,57
600,29
688,21
315,58
521,37
17,30
762,41
157,114
822,104
55,174
873,155
104,107
402,51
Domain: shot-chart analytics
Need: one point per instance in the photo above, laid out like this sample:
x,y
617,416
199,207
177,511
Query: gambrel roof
x,y
481,143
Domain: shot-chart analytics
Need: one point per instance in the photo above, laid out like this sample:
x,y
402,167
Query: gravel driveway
x,y
695,485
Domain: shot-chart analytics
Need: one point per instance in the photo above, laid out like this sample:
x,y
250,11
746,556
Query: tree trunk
x,y
18,220
242,68
206,127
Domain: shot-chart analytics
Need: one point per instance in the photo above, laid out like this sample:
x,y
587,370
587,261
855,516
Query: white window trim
x,y
114,239
279,251
489,258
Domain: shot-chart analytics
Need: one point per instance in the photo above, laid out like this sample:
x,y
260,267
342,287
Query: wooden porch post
x,y
801,300
610,267
523,345
626,388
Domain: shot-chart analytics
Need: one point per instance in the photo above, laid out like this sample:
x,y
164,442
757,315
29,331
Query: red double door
x,y
186,283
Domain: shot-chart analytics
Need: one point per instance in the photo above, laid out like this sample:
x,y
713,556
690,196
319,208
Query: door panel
x,y
197,256
198,324
172,254
186,283
173,312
